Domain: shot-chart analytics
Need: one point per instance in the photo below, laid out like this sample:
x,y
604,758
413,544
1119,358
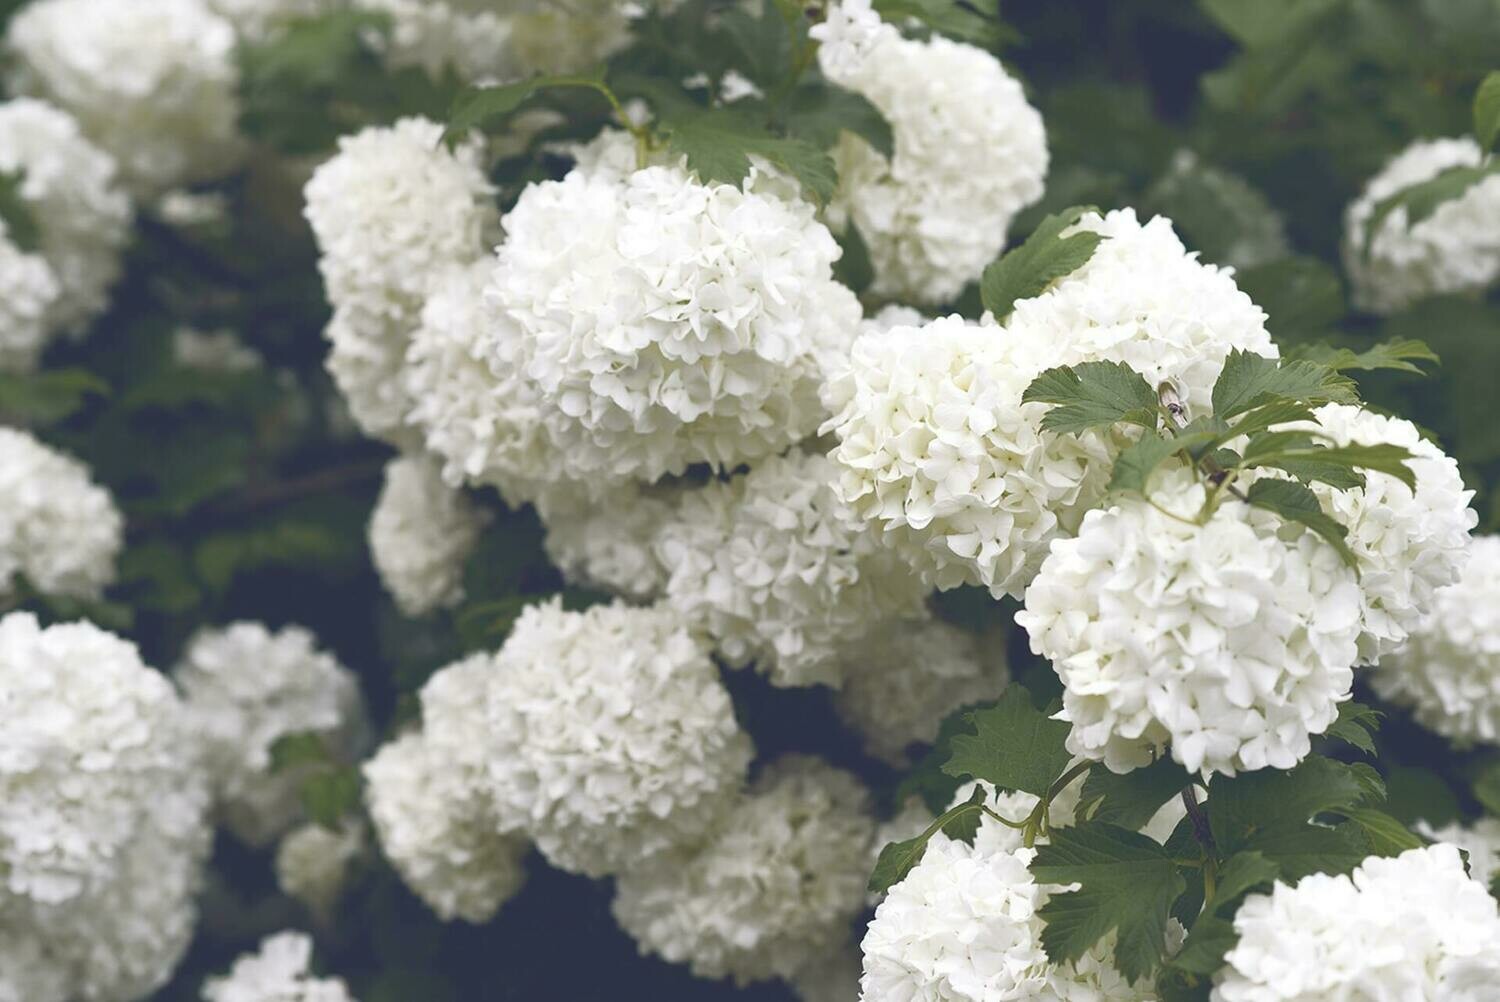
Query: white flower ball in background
x,y
259,20
608,543
1409,544
152,83
937,452
1481,840
280,972
776,571
970,153
773,888
29,293
70,187
903,679
610,736
1449,670
668,322
214,351
439,36
421,532
27,972
247,687
1415,926
314,863
829,979
1240,224
58,529
1456,249
1225,639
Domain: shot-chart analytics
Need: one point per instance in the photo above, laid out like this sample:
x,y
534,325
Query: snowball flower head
x,y
776,571
608,543
610,735
313,863
258,20
29,293
247,687
421,532
970,153
774,887
57,528
667,322
1456,249
441,36
1449,671
70,187
1480,840
152,83
1412,927
280,972
1225,639
937,452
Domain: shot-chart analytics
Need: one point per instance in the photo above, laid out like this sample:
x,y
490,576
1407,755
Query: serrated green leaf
x,y
1390,460
1028,270
1301,849
1398,354
292,750
1209,939
1127,885
1241,806
718,145
1014,746
1266,416
948,17
479,107
964,825
1093,395
1135,464
1240,874
20,225
1132,799
42,398
1422,199
1386,836
896,860
1356,725
818,113
1487,111
1295,503
1249,380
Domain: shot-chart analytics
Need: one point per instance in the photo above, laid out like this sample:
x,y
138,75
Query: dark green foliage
x,y
1014,746
1026,271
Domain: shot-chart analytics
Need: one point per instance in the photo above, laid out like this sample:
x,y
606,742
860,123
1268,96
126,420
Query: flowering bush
x,y
704,499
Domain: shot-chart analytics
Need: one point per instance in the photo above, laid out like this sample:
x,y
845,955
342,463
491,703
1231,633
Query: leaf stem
x,y
1203,833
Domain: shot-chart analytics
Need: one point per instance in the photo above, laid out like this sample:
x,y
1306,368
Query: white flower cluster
x,y
1480,840
313,863
609,543
1224,638
103,817
391,211
280,972
667,322
773,887
29,291
421,532
1449,671
1456,249
903,679
83,218
1412,927
258,20
775,569
57,528
247,687
970,153
153,82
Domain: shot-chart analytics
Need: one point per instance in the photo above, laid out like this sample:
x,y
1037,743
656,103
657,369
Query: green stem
x,y
1204,834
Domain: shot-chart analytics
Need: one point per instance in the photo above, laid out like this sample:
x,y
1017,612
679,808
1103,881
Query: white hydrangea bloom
x,y
29,293
776,570
1408,544
421,532
970,153
153,83
257,20
1412,927
313,863
1449,670
903,679
444,35
774,887
1456,249
247,687
1225,639
365,359
27,972
82,216
936,450
566,36
829,979
57,527
608,543
280,972
1481,840
668,322
610,736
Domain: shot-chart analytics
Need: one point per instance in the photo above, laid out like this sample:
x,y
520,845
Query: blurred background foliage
x,y
1252,123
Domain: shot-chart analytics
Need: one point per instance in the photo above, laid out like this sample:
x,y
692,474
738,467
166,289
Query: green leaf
x,y
1487,111
1487,790
1301,849
1399,354
1026,272
1133,799
1208,941
1356,725
158,576
718,145
897,859
854,268
1015,746
1240,874
292,750
819,113
483,625
1249,380
1266,416
948,17
1388,459
1421,200
1386,835
1135,464
1295,503
1092,395
1240,806
20,224
47,397
481,107
330,795
1128,884
964,825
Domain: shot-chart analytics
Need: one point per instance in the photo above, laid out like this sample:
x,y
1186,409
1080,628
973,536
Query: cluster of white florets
x,y
609,543
1456,249
774,568
1449,670
1223,638
421,532
667,322
29,291
772,887
1415,926
314,863
103,827
1480,841
247,687
58,530
257,20
392,212
970,153
69,186
152,83
280,972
